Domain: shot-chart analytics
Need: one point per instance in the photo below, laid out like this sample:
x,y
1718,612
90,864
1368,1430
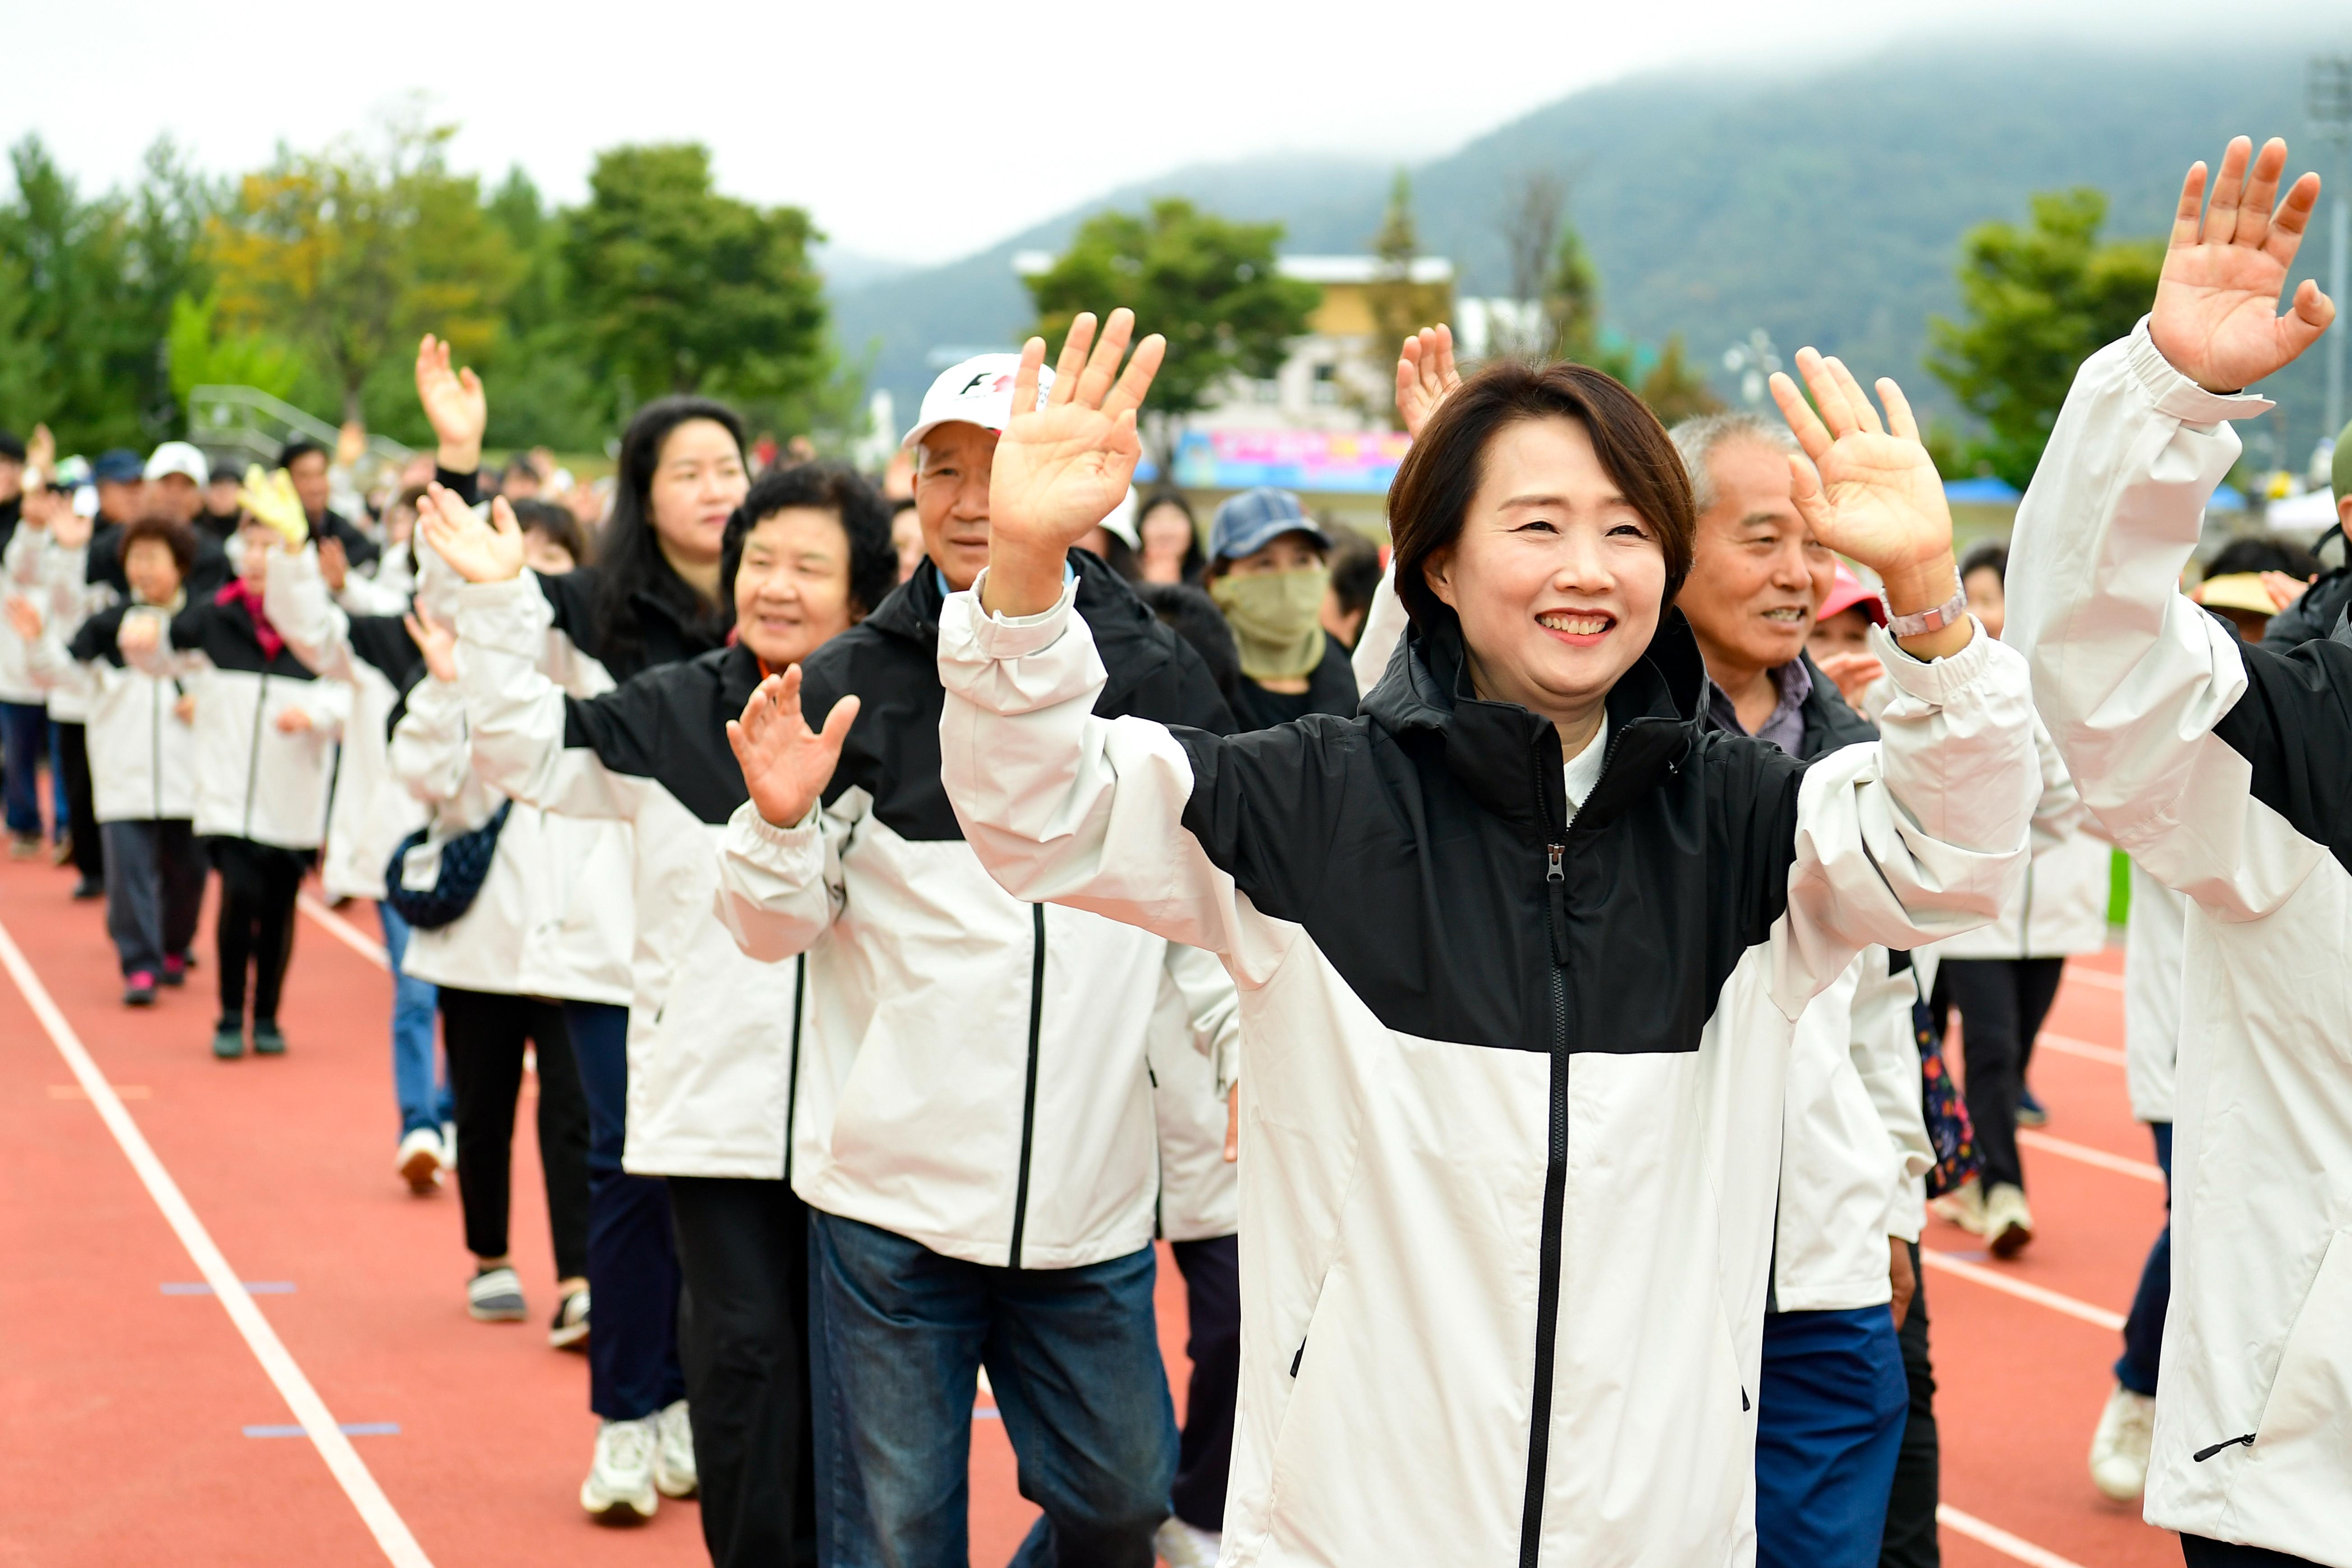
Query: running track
x,y
150,1417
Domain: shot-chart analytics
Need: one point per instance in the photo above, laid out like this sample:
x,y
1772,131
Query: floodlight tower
x,y
2327,104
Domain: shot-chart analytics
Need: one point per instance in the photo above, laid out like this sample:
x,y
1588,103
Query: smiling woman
x,y
1527,862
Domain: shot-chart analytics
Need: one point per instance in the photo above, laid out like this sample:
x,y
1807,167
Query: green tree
x,y
543,391
202,353
1571,300
1211,287
352,253
2040,301
1400,306
89,286
679,289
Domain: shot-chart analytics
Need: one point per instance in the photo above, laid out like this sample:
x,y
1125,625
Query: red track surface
x,y
126,1408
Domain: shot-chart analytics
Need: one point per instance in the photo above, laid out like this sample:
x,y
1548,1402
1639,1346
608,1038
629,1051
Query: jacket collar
x,y
1830,723
1120,623
1508,759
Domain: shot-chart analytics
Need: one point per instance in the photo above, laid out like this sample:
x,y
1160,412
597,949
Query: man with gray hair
x,y
1840,1467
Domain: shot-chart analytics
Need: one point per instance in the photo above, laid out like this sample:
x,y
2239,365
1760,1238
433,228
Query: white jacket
x,y
713,1043
537,928
2062,907
254,780
1505,1214
1190,1034
21,578
2221,770
143,755
1854,1136
2153,936
372,812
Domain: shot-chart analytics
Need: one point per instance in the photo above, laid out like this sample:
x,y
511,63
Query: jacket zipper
x,y
2201,1455
1029,1092
793,1083
253,765
1554,1206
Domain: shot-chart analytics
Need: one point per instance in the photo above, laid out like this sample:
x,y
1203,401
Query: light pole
x,y
2327,104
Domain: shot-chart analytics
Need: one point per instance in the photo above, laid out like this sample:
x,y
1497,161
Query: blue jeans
x,y
2144,1330
898,1337
23,736
423,1093
633,1273
1829,1426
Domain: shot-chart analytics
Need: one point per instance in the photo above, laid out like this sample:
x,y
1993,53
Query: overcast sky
x,y
916,130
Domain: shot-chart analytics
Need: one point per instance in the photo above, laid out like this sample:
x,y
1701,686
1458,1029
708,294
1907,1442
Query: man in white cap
x,y
176,476
973,1129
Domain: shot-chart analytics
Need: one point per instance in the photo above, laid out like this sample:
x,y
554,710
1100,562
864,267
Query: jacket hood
x,y
1509,758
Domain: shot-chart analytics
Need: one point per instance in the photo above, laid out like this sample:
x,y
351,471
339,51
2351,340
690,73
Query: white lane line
x,y
2000,1540
2098,977
375,1510
342,931
2067,1046
2140,1168
1998,1280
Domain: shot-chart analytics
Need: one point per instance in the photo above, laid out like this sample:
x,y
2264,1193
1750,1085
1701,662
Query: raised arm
x,y
780,878
296,598
2219,769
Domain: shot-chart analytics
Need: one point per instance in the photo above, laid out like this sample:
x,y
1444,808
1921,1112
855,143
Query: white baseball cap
x,y
977,392
178,457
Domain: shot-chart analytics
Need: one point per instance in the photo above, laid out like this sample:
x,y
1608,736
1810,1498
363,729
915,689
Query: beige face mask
x,y
1276,618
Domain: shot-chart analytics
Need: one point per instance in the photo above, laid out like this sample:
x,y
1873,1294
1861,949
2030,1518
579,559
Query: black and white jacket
x,y
1511,1124
2225,773
254,780
143,755
976,1074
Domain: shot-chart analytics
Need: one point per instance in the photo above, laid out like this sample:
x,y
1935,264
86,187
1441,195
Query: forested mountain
x,y
1824,207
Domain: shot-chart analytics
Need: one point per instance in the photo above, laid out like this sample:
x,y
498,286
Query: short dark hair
x,y
300,446
536,515
2263,555
11,446
1441,472
1992,557
176,536
836,487
1355,569
520,463
1194,616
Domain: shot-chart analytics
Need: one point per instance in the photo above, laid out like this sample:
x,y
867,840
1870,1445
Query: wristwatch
x,y
1926,621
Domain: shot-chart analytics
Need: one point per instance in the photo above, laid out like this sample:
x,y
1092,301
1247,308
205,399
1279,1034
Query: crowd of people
x,y
1512,969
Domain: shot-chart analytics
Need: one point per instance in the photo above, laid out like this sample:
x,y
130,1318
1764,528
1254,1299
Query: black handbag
x,y
465,863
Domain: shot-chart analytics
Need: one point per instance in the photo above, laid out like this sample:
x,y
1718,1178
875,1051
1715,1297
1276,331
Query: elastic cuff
x,y
1933,679
1017,637
2175,395
794,839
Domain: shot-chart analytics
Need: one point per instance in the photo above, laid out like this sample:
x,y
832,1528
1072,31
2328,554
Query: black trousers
x,y
1910,1538
743,1333
154,891
81,808
1204,1452
2001,1003
483,1034
2200,1552
256,925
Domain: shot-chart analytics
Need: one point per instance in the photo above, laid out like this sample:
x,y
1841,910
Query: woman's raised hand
x,y
1060,469
477,551
2216,317
1871,491
786,764
455,404
1424,376
437,642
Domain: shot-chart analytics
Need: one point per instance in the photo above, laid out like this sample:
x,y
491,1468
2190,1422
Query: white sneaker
x,y
2119,1447
1964,1205
1183,1545
673,1470
419,1161
495,1296
2008,1223
448,1145
620,1485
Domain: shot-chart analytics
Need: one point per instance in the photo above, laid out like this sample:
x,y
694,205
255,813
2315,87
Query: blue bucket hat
x,y
119,466
1249,522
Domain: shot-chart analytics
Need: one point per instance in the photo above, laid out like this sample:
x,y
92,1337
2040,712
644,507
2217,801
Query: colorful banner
x,y
1330,461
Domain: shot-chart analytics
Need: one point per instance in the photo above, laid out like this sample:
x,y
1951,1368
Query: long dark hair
x,y
1195,563
628,551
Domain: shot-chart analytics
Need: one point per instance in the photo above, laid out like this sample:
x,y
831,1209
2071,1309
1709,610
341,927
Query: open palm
x,y
478,550
2216,317
1060,469
1425,376
786,764
455,404
1878,498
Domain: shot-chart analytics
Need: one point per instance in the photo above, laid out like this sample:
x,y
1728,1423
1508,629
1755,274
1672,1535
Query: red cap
x,y
1848,591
